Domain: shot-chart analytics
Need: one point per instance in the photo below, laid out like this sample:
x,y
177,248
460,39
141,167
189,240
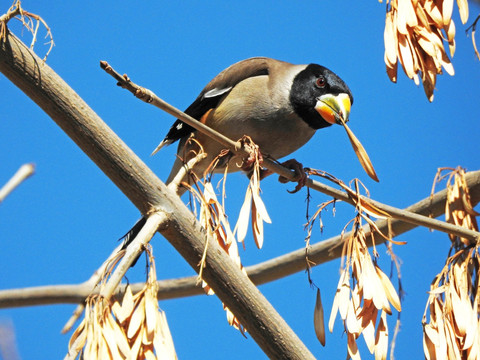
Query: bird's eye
x,y
320,82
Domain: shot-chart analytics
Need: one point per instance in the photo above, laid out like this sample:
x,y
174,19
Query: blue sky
x,y
62,223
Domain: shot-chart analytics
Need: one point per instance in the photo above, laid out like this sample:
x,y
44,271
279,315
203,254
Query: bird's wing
x,y
215,90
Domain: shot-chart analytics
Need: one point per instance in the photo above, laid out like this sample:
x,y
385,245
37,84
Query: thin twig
x,y
473,27
149,97
400,214
175,183
90,284
23,173
14,10
26,18
134,249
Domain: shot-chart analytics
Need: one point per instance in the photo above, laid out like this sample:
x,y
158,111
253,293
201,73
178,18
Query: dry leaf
x,y
372,291
390,291
381,339
341,300
352,323
102,335
213,218
352,347
463,9
414,34
390,40
318,319
428,345
126,310
137,319
360,152
447,10
452,328
369,319
243,218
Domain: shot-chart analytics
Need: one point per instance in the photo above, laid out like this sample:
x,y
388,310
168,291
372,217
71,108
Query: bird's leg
x,y
255,158
300,175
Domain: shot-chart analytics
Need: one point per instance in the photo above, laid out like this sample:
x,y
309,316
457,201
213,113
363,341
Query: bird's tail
x,y
161,145
132,234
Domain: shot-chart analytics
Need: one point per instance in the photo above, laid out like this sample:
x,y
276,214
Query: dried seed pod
x,y
132,329
360,152
453,328
363,290
414,35
318,319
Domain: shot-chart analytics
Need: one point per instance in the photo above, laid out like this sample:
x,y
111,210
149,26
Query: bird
x,y
279,105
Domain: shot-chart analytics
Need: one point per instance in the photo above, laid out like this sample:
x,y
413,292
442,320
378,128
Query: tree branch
x,y
264,272
23,173
133,251
148,193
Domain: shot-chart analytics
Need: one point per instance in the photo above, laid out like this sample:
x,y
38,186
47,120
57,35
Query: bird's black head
x,y
320,97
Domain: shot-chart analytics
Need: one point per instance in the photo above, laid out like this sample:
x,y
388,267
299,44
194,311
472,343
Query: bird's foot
x,y
300,175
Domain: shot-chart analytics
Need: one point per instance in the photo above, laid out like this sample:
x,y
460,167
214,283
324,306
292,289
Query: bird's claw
x,y
300,175
255,158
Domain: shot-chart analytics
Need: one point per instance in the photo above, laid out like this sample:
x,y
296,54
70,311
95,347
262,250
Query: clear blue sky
x,y
61,224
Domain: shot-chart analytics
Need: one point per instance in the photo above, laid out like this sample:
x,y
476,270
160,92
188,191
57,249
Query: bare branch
x,y
23,173
91,284
8,346
27,19
134,249
473,28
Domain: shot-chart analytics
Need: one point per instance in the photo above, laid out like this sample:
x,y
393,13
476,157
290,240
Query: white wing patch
x,y
216,92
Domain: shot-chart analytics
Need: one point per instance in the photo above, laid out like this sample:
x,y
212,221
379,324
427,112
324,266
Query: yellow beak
x,y
334,108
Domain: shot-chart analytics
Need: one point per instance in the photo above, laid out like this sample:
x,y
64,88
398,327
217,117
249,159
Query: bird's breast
x,y
249,109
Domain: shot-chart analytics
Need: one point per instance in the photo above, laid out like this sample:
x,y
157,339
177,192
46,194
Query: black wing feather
x,y
227,79
196,110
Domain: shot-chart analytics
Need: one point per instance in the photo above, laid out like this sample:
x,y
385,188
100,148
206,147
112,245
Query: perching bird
x,y
278,104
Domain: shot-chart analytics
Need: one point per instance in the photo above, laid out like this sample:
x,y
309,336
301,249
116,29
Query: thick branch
x,y
260,273
148,193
